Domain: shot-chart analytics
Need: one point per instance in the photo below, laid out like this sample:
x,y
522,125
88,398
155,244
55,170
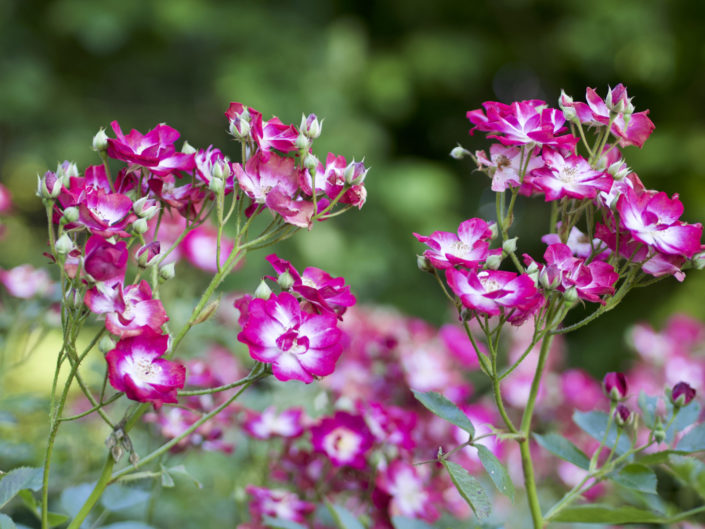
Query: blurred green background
x,y
393,80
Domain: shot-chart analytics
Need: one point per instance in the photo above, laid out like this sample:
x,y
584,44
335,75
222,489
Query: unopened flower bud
x,y
699,261
570,114
240,128
510,245
310,126
493,262
494,230
100,141
168,271
263,291
571,295
564,101
285,281
216,185
145,207
70,215
622,416
63,245
458,153
682,394
601,164
48,187
302,142
73,299
221,170
355,173
547,281
148,255
106,344
615,386
532,268
423,263
311,162
187,148
140,226
70,170
207,311
619,170
659,434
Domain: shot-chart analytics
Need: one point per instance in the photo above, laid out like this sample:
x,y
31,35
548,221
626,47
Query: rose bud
x,y
615,385
682,394
622,415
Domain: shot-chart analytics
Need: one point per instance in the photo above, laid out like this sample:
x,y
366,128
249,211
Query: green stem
x,y
95,495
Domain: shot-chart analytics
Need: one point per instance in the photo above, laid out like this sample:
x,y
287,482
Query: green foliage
x,y
19,479
563,448
469,488
496,470
445,409
636,476
594,423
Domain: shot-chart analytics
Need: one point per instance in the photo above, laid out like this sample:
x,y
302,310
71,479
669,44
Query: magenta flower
x,y
569,176
25,281
410,497
682,394
631,128
212,159
275,135
5,200
469,248
278,503
579,244
521,123
270,424
652,218
154,150
104,261
344,438
298,344
200,248
492,292
135,367
504,164
105,214
129,311
615,385
326,293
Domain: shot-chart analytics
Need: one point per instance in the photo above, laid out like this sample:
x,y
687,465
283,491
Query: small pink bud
x,y
310,126
622,415
615,385
682,394
148,254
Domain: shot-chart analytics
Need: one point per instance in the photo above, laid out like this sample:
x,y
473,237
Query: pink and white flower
x,y
154,150
25,281
269,423
298,344
277,503
521,123
569,176
324,292
506,165
469,248
492,292
135,367
200,247
104,261
344,438
410,495
105,214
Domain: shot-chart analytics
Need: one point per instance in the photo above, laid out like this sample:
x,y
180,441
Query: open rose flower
x,y
344,438
469,248
135,366
298,344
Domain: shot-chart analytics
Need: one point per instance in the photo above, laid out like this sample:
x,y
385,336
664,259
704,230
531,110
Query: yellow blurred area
x,y
26,370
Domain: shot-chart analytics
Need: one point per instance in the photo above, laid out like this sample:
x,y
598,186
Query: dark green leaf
x,y
690,471
401,522
17,480
637,477
278,523
607,514
6,522
343,518
445,409
594,423
498,474
693,441
470,489
181,469
648,407
118,497
563,448
29,500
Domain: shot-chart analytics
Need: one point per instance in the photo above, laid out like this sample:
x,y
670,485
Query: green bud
x,y
100,141
63,245
423,263
166,272
140,226
510,245
263,291
285,281
70,215
459,153
187,148
106,344
493,262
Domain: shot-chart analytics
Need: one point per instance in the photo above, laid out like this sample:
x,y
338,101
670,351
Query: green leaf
x,y
561,447
29,500
594,423
693,441
56,518
17,480
181,469
498,474
637,477
657,458
686,416
690,471
6,522
118,497
167,480
445,409
402,522
278,523
469,488
344,519
597,513
73,498
648,406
